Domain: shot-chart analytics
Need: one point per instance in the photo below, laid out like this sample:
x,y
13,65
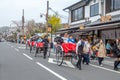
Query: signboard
x,y
106,18
82,26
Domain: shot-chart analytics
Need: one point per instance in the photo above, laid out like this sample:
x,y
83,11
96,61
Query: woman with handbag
x,y
116,51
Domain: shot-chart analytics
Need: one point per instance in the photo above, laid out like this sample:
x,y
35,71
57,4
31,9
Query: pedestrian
x,y
71,39
87,51
116,51
45,48
101,52
79,51
108,48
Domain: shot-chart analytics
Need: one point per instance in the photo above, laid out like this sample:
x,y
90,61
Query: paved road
x,y
16,63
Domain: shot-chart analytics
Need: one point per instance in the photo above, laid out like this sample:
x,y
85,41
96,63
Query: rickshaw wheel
x,y
59,56
74,59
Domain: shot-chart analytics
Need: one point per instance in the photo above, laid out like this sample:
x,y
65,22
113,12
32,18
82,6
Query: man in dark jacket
x,y
45,48
116,51
79,51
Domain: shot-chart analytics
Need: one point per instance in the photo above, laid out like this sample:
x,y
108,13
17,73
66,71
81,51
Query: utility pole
x,y
47,16
23,22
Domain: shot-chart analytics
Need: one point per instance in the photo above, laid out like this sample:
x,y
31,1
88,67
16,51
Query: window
x,y
115,4
77,14
94,10
112,5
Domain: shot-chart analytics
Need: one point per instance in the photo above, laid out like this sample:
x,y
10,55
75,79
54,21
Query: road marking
x,y
54,73
17,49
65,63
27,56
22,47
12,46
105,68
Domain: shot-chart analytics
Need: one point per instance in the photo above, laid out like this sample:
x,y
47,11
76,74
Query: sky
x,y
11,10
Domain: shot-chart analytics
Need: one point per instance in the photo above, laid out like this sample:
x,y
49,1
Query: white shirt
x,y
65,40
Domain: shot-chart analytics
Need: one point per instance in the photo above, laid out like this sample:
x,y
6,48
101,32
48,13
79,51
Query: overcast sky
x,y
12,9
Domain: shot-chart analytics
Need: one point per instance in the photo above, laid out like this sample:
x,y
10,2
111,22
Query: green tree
x,y
55,21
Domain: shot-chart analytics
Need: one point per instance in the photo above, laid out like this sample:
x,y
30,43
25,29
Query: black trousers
x,y
45,51
116,63
100,59
79,61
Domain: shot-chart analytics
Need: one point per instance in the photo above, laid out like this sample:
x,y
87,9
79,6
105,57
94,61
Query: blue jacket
x,y
71,40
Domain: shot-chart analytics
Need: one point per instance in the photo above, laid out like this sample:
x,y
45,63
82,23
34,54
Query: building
x,y
99,18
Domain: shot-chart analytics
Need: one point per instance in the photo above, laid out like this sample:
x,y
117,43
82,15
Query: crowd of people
x,y
85,50
99,50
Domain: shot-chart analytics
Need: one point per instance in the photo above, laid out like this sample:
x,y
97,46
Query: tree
x,y
30,26
55,21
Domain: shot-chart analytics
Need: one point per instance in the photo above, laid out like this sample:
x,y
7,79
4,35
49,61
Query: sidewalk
x,y
107,61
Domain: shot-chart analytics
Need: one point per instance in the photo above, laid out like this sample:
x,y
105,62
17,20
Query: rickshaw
x,y
65,50
39,47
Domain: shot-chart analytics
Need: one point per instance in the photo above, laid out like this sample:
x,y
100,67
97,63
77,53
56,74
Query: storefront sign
x,y
106,18
82,26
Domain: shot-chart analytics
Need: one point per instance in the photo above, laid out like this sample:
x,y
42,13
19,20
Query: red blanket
x,y
68,47
33,43
40,44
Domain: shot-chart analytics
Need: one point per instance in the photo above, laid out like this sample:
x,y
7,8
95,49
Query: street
x,y
16,63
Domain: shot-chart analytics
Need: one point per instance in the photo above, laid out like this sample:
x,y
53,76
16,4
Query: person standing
x,y
116,51
101,52
79,51
108,48
86,51
45,48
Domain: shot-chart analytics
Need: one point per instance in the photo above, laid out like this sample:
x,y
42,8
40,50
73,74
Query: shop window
x,y
112,5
